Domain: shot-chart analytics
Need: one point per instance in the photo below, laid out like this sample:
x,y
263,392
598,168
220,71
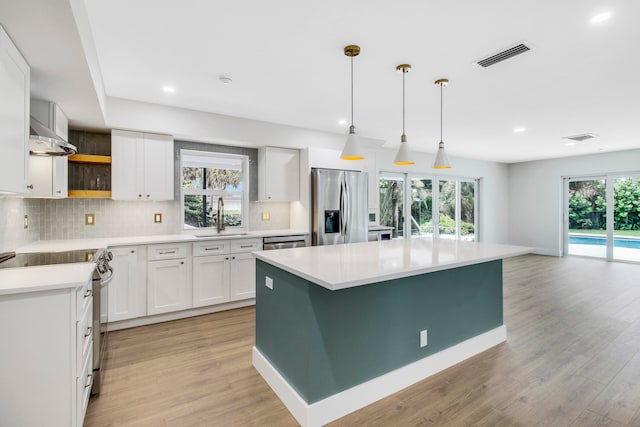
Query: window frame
x,y
244,192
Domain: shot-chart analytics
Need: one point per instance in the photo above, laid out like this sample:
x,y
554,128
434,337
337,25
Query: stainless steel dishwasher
x,y
283,242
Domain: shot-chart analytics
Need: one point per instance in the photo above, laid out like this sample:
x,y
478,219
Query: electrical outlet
x,y
157,218
268,282
26,221
266,215
423,338
89,219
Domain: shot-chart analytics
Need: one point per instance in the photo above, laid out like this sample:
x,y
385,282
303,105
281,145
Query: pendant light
x,y
442,161
402,158
351,150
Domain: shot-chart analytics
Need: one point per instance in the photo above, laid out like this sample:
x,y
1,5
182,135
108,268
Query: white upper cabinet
x,y
48,177
14,117
141,166
278,174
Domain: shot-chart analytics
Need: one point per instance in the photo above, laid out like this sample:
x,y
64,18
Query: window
x,y
455,200
212,180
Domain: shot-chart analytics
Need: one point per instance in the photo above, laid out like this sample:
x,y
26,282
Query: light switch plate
x,y
268,282
423,338
157,218
266,215
89,219
26,221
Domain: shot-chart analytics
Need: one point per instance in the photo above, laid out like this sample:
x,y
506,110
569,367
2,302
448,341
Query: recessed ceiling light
x,y
570,143
342,122
519,130
225,80
600,17
168,89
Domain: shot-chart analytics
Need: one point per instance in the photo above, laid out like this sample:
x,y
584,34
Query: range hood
x,y
43,142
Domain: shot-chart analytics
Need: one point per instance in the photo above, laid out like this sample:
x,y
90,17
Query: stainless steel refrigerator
x,y
339,209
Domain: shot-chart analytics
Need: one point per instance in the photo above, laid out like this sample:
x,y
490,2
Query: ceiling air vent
x,y
502,55
582,137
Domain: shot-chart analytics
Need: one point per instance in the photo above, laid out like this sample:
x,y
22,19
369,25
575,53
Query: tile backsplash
x,y
51,219
12,231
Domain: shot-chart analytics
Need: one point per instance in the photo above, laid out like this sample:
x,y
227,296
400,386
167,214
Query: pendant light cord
x,y
441,86
403,73
351,90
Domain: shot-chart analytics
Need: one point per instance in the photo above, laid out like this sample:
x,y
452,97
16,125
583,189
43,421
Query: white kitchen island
x,y
340,327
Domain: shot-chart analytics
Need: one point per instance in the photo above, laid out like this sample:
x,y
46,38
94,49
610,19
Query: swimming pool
x,y
619,242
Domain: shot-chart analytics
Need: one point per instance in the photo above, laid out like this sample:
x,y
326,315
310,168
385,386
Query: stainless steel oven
x,y
102,275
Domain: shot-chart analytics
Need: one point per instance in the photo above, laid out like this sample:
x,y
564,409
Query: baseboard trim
x,y
345,402
547,252
175,315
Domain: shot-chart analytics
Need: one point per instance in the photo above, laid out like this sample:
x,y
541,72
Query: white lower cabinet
x,y
210,280
127,291
46,368
230,275
243,276
168,285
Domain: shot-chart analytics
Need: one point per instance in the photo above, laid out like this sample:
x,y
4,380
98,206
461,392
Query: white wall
x,y
535,195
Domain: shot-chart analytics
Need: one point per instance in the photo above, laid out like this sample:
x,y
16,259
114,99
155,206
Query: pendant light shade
x,y
403,158
351,150
442,160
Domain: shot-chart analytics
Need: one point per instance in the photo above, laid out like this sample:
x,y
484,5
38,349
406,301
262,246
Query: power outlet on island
x,y
268,282
423,338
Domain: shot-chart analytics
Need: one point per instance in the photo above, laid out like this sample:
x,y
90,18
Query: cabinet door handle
x,y
245,246
147,196
139,196
30,186
89,331
233,257
167,252
181,262
88,293
88,383
226,258
211,249
133,252
58,191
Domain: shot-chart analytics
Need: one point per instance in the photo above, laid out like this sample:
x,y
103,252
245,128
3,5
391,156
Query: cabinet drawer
x,y
169,251
83,388
84,298
84,337
246,245
212,247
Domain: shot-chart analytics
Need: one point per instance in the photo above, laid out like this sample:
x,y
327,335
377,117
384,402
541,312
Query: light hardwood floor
x,y
572,359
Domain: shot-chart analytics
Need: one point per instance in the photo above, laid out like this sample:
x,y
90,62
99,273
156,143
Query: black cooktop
x,y
49,258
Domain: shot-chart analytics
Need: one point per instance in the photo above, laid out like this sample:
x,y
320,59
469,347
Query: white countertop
x,y
104,242
40,278
44,278
344,266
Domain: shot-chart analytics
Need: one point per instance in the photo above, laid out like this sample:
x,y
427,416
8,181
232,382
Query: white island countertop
x,y
344,266
44,278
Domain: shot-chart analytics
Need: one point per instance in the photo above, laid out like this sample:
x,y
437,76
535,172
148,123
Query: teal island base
x,y
327,353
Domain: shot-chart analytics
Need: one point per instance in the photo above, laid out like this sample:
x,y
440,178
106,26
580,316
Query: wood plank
x,y
90,194
91,159
572,357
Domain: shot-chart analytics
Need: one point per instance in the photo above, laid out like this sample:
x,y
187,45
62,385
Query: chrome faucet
x,y
220,214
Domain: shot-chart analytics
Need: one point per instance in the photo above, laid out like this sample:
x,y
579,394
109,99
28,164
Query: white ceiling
x,y
287,64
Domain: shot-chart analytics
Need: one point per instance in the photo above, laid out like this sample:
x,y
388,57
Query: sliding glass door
x,y
392,196
454,199
603,217
587,208
626,218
